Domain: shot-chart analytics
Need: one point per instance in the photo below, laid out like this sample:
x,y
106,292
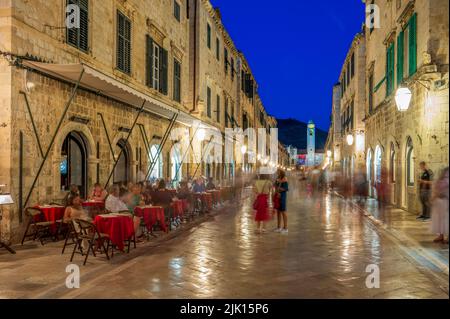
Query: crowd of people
x,y
124,198
433,194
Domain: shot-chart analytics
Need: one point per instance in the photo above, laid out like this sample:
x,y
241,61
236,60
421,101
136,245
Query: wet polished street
x,y
325,255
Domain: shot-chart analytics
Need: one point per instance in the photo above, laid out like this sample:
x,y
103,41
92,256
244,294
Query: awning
x,y
106,85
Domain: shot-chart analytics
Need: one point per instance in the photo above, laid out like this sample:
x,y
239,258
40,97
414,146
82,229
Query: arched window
x,y
176,165
157,171
122,169
392,167
73,166
369,165
378,164
410,173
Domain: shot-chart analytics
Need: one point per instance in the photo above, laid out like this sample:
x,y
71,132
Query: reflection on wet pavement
x,y
325,255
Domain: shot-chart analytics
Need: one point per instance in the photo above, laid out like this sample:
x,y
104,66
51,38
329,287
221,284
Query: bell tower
x,y
311,143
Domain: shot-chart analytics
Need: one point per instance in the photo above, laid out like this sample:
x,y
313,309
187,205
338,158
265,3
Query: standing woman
x,y
261,204
281,189
439,208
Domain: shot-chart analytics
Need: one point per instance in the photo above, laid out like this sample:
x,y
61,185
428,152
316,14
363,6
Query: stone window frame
x,y
177,10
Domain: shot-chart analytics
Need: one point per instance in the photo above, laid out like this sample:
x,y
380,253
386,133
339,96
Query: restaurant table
x,y
119,227
177,206
206,199
215,195
52,213
185,204
94,207
151,215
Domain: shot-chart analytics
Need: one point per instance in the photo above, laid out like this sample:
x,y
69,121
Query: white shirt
x,y
115,205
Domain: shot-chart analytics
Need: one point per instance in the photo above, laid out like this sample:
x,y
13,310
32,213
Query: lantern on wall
x,y
329,153
403,98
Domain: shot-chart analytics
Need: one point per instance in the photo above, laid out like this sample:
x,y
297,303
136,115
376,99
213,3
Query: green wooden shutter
x,y
149,61
400,49
390,69
163,71
413,44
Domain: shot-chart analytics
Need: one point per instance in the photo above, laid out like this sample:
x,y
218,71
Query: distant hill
x,y
293,132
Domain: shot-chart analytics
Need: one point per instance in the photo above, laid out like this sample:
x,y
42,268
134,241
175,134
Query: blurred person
x,y
114,203
425,183
281,189
439,208
262,188
98,193
75,210
210,185
199,186
73,191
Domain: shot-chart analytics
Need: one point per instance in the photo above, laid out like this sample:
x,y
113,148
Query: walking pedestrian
x,y
439,208
425,182
281,189
261,204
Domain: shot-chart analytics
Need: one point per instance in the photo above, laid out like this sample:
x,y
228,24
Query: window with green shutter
x,y
208,102
390,63
218,108
163,75
123,43
176,81
217,49
79,37
400,57
208,36
149,61
412,44
225,60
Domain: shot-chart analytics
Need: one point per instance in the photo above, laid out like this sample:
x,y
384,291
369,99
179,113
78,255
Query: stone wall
x,y
426,120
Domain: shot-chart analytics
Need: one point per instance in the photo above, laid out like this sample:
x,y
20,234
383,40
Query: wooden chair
x,y
36,223
70,235
89,233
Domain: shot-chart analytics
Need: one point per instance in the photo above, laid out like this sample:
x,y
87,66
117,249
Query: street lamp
x,y
243,149
328,153
350,139
403,99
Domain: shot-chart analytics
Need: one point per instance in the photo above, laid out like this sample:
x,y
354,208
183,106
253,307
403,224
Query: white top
x,y
114,204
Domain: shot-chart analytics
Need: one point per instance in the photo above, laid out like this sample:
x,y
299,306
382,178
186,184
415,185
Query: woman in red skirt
x,y
261,204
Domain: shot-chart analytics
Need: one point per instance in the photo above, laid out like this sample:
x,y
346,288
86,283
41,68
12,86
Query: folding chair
x,y
37,224
89,233
70,235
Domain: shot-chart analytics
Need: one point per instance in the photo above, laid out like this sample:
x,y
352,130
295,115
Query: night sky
x,y
295,49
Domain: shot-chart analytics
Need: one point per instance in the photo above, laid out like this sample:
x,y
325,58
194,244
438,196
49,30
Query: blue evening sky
x,y
295,49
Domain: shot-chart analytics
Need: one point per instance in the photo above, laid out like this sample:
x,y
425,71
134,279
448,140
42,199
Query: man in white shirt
x,y
113,202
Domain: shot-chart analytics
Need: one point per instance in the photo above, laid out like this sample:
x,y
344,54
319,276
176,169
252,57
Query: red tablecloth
x,y
152,214
52,214
215,195
177,206
206,199
119,228
185,204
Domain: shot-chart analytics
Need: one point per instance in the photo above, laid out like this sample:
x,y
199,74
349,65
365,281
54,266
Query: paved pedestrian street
x,y
325,255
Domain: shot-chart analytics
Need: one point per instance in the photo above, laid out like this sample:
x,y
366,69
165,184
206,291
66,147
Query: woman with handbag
x,y
280,199
261,203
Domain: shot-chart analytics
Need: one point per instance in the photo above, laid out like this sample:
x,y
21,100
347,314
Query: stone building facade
x,y
408,50
349,109
97,103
